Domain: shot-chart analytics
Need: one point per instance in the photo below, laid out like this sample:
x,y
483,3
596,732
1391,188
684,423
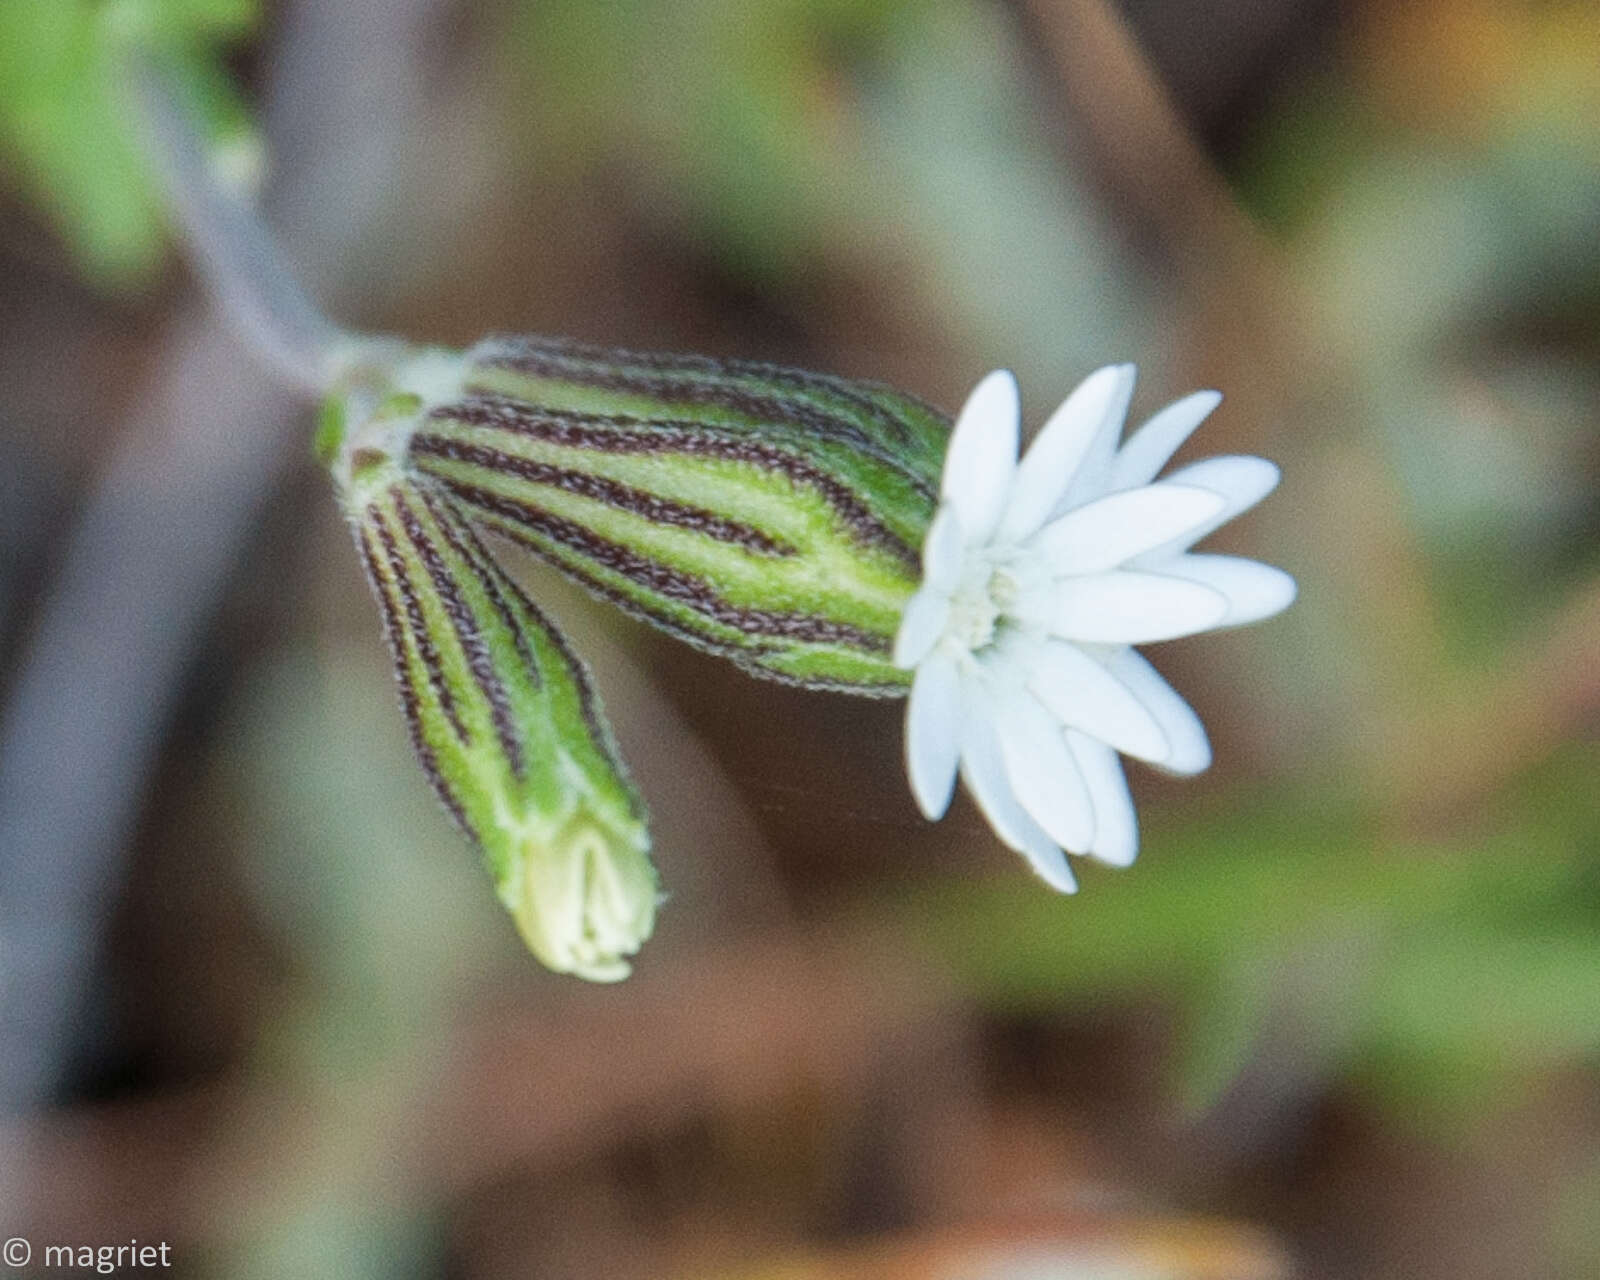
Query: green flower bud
x,y
501,712
766,514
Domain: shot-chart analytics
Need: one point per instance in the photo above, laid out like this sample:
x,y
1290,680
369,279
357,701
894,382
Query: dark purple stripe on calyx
x,y
663,580
745,403
585,360
624,435
421,640
612,493
467,547
499,585
394,631
479,661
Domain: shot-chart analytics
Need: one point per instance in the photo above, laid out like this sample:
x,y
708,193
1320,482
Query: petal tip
x,y
981,458
931,793
1054,871
1288,592
1264,475
1121,850
1122,376
997,390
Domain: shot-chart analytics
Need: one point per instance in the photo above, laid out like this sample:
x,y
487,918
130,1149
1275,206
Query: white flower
x,y
1038,577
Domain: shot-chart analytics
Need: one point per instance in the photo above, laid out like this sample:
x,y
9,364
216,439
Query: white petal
x,y
1116,828
1254,590
1241,481
942,550
1133,608
1093,477
933,735
1110,531
1042,773
983,768
1190,751
983,455
1148,449
1086,695
1053,458
921,625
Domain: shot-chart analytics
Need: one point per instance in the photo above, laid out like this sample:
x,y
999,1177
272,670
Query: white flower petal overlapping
x,y
1039,576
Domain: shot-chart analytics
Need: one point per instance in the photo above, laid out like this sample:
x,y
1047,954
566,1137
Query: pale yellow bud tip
x,y
586,900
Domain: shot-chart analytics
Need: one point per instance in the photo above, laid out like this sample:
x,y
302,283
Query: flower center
x,y
979,605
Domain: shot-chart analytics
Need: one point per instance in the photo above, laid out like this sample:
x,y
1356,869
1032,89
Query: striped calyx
x,y
501,712
766,514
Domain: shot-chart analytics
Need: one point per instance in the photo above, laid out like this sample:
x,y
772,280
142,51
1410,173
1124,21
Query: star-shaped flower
x,y
1038,578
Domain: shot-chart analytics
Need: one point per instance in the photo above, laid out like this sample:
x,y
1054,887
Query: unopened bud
x,y
503,718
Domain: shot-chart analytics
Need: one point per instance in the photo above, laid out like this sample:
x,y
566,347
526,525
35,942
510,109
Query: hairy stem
x,y
242,267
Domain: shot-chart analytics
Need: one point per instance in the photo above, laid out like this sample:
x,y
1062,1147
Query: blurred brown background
x,y
1343,1017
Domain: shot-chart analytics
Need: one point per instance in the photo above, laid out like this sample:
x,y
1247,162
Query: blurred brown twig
x,y
723,1030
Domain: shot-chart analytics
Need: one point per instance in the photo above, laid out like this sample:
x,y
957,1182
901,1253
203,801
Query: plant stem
x,y
242,267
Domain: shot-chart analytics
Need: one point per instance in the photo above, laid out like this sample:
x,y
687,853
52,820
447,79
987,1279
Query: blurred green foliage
x,y
1439,194
742,109
68,135
1437,972
786,138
